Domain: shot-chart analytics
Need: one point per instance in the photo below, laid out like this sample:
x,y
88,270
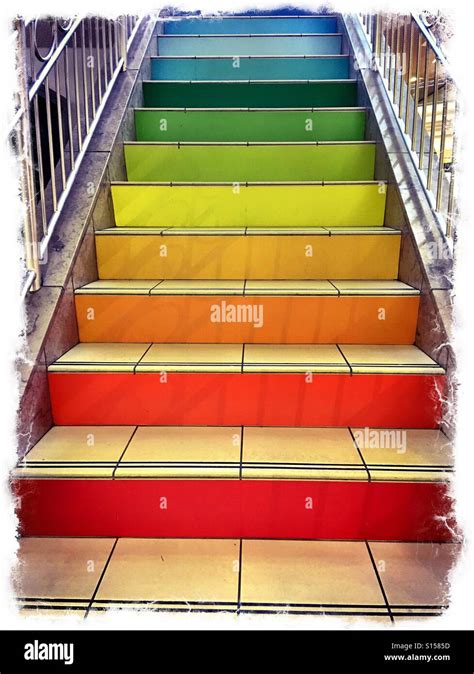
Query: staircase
x,y
246,423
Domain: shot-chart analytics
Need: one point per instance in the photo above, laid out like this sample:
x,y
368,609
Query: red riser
x,y
227,399
235,509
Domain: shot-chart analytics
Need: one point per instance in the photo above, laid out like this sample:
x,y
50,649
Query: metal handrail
x,y
416,76
61,96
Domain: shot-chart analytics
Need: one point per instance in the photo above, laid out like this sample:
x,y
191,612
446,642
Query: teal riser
x,y
244,68
250,94
281,45
253,25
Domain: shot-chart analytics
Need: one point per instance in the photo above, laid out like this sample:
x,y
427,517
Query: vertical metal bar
x,y
91,68
84,75
450,215
390,47
104,53
425,102
116,40
50,144
433,126
97,48
396,63
410,51
111,60
401,68
69,109
439,190
76,89
59,107
39,155
385,48
123,43
417,93
378,38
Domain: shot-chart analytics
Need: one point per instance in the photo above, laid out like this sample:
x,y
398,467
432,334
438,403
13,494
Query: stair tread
x,y
202,452
199,574
248,231
346,358
250,287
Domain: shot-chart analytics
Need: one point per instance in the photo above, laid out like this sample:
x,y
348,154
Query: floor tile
x,y
172,573
399,454
60,572
363,287
289,288
179,452
196,287
396,359
122,287
192,358
414,575
109,357
76,451
293,358
334,576
301,453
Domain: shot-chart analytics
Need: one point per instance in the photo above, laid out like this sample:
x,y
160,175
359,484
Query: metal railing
x,y
67,69
424,97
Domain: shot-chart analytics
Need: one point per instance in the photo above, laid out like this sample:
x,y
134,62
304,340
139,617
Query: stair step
x,y
250,45
157,124
317,358
235,94
201,452
221,68
200,575
148,162
255,254
249,205
256,25
261,385
370,312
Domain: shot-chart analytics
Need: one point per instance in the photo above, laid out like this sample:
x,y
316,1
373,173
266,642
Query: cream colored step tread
x,y
246,287
304,358
247,231
227,452
200,574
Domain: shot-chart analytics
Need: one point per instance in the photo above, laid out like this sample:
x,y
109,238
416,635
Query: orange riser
x,y
286,319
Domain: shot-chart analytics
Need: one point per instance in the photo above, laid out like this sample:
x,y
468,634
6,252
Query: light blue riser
x,y
250,69
310,45
257,25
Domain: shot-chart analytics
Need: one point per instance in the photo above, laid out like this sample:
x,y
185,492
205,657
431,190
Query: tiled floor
x,y
346,578
235,452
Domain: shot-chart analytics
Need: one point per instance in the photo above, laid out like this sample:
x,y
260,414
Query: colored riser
x,y
249,399
286,319
250,68
330,205
251,25
244,45
234,509
324,94
343,256
247,126
249,163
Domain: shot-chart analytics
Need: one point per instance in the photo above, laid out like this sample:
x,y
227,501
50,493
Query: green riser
x,y
250,163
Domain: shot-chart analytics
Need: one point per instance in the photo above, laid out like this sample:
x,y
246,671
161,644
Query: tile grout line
x,y
360,453
141,358
106,565
241,452
345,359
127,444
379,580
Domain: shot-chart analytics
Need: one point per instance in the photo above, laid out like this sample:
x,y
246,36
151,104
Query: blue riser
x,y
250,69
235,26
311,45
